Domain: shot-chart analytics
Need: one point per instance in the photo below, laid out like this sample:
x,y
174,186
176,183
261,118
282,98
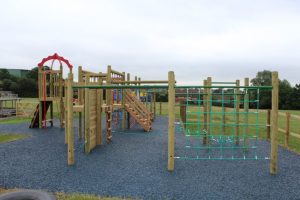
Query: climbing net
x,y
220,122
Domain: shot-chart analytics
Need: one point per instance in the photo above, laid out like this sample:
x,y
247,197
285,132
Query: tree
x,y
4,74
285,91
295,98
263,78
33,73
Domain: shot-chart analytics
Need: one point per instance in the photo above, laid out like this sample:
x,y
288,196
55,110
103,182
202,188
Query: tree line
x,y
289,96
24,86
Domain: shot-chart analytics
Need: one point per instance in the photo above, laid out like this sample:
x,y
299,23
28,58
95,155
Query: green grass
x,y
294,143
12,137
15,120
75,196
63,196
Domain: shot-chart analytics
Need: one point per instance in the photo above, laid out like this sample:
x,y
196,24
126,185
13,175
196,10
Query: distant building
x,y
20,73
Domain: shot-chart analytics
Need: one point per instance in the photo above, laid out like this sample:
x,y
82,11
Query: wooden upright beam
x,y
160,108
87,116
237,113
209,110
287,129
154,101
99,102
123,103
246,110
70,121
274,123
171,126
128,115
40,81
61,101
80,101
205,119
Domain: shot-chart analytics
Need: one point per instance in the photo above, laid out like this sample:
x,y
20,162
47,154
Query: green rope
x,y
217,132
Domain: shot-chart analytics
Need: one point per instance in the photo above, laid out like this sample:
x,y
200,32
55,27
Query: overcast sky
x,y
225,39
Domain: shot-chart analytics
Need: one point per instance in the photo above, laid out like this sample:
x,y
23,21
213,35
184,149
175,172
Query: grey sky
x,y
227,40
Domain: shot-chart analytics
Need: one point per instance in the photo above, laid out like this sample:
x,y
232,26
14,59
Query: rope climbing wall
x,y
216,122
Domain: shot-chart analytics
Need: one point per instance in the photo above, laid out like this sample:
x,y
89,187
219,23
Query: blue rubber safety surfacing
x,y
134,165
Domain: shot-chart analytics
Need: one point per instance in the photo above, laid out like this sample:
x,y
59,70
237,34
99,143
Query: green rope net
x,y
219,122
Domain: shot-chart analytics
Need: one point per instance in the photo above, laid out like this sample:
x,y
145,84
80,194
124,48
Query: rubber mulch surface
x,y
135,165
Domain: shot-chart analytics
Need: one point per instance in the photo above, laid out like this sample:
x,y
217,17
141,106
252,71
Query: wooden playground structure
x,y
8,104
115,97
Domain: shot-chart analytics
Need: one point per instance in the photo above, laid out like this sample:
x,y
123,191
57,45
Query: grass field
x,y
194,116
64,196
12,137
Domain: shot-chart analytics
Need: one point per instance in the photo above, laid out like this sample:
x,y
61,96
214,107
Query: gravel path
x,y
134,165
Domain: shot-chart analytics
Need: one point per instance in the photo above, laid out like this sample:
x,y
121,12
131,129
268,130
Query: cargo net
x,y
220,123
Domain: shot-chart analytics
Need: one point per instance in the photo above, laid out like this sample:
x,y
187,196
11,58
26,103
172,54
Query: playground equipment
x,y
119,99
8,104
200,109
213,131
50,84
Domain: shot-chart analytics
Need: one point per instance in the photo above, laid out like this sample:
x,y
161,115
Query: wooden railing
x,y
138,110
287,129
25,109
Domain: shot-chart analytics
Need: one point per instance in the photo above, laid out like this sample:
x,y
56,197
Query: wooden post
x,y
160,111
209,110
171,126
151,102
123,104
128,115
274,123
80,101
269,124
99,94
70,121
110,107
154,109
205,103
237,113
61,101
224,121
51,95
287,129
246,110
41,86
87,116
136,90
183,112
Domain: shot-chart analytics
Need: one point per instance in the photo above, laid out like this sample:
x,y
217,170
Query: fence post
x,y
160,111
209,110
287,129
171,128
205,103
274,124
237,113
246,110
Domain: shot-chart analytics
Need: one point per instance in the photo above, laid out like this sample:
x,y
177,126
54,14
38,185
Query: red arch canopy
x,y
55,57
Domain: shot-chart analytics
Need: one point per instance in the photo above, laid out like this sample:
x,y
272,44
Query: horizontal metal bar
x,y
221,158
120,86
229,87
141,82
221,147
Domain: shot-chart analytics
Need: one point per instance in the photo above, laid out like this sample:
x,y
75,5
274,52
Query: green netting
x,y
227,128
